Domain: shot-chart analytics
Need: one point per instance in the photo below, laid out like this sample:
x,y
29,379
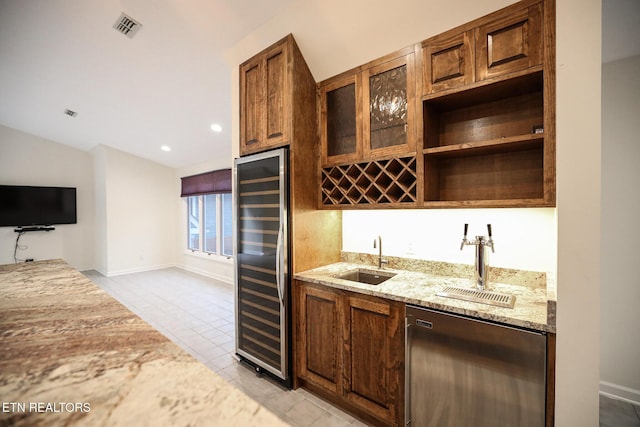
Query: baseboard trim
x,y
137,270
619,392
219,277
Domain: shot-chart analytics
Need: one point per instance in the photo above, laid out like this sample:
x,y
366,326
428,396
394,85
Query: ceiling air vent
x,y
127,25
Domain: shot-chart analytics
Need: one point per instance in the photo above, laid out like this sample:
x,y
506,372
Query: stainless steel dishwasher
x,y
465,372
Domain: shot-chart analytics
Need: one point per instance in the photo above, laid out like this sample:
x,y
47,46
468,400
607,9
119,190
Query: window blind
x,y
213,182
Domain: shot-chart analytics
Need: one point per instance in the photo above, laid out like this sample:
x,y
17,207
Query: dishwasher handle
x,y
424,324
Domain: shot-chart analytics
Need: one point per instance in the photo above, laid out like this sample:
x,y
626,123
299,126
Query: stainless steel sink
x,y
369,277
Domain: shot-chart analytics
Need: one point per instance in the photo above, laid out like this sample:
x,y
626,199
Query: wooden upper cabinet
x,y
448,61
505,42
370,111
490,141
265,112
465,118
510,42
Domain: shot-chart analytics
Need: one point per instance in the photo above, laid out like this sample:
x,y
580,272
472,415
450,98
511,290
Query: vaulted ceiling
x,y
165,86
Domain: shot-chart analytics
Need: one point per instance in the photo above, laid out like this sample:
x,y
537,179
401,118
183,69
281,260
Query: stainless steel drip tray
x,y
483,297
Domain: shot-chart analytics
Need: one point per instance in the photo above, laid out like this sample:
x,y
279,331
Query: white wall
x,y
217,267
336,35
138,210
26,159
130,214
524,238
578,47
99,154
620,292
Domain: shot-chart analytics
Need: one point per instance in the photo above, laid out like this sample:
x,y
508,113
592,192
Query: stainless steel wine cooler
x,y
262,262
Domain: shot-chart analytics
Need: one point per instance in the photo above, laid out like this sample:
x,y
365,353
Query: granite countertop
x,y
74,356
420,288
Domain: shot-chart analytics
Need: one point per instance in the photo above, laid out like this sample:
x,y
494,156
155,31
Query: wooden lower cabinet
x,y
374,356
350,351
319,338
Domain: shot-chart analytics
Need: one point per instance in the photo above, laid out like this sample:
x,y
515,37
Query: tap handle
x,y
464,239
490,238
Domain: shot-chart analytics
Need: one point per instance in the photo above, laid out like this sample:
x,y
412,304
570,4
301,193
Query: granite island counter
x,y
74,356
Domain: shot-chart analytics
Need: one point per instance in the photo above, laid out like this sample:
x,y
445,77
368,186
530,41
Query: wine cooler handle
x,y
279,259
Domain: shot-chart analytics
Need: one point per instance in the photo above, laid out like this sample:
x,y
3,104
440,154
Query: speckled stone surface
x,y
73,356
552,300
531,279
420,288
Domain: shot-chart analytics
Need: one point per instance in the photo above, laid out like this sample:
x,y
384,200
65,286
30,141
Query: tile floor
x,y
616,413
196,313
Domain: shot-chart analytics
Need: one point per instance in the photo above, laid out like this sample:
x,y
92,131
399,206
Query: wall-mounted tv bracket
x,y
34,228
21,231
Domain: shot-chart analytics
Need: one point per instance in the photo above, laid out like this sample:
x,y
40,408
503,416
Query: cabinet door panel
x,y
368,363
320,361
276,88
510,43
448,62
374,359
251,111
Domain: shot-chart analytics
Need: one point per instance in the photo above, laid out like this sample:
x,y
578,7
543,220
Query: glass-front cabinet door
x,y
370,112
389,97
341,133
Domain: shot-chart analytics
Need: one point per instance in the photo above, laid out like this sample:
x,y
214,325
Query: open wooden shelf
x,y
493,145
483,175
486,146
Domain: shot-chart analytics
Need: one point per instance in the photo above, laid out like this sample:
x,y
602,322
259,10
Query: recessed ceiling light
x,y
216,127
165,148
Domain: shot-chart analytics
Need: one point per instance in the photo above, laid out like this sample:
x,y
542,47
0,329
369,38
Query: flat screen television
x,y
28,206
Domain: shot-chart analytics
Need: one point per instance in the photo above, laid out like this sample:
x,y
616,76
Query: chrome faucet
x,y
379,246
482,256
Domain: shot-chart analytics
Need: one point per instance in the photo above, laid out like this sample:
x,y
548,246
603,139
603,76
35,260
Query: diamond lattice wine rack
x,y
378,182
